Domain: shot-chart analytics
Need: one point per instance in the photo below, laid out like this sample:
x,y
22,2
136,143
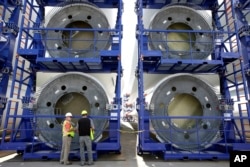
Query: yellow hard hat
x,y
84,112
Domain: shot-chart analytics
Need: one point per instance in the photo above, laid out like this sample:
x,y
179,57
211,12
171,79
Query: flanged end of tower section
x,y
76,31
183,32
188,112
69,92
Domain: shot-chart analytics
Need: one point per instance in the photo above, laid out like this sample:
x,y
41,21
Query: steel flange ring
x,y
70,92
185,96
178,42
72,41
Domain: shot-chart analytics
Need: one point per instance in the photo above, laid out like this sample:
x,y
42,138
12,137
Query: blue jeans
x,y
86,141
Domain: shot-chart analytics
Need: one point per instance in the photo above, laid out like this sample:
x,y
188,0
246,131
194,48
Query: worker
x,y
68,132
84,126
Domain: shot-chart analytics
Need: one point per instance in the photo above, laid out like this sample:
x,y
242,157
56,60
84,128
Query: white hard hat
x,y
68,114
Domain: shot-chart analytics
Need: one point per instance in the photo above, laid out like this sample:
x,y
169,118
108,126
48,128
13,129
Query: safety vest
x,y
65,133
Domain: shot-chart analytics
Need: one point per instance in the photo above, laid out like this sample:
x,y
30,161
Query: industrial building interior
x,y
175,72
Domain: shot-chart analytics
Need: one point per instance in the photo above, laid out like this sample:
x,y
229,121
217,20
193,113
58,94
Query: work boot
x,y
68,163
91,163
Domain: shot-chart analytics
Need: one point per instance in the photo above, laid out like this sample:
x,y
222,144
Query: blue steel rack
x,y
236,36
31,58
9,14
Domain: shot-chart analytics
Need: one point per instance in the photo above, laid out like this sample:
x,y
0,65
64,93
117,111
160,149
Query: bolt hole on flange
x,y
185,106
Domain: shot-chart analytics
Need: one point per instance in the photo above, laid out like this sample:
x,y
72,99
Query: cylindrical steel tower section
x,y
177,99
179,39
68,40
70,92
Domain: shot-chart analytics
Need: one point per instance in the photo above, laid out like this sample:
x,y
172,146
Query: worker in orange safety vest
x,y
68,132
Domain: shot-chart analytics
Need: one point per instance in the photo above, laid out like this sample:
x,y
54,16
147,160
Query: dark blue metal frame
x,y
31,59
9,14
152,61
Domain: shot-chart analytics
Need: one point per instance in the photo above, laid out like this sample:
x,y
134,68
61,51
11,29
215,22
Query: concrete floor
x,y
127,158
